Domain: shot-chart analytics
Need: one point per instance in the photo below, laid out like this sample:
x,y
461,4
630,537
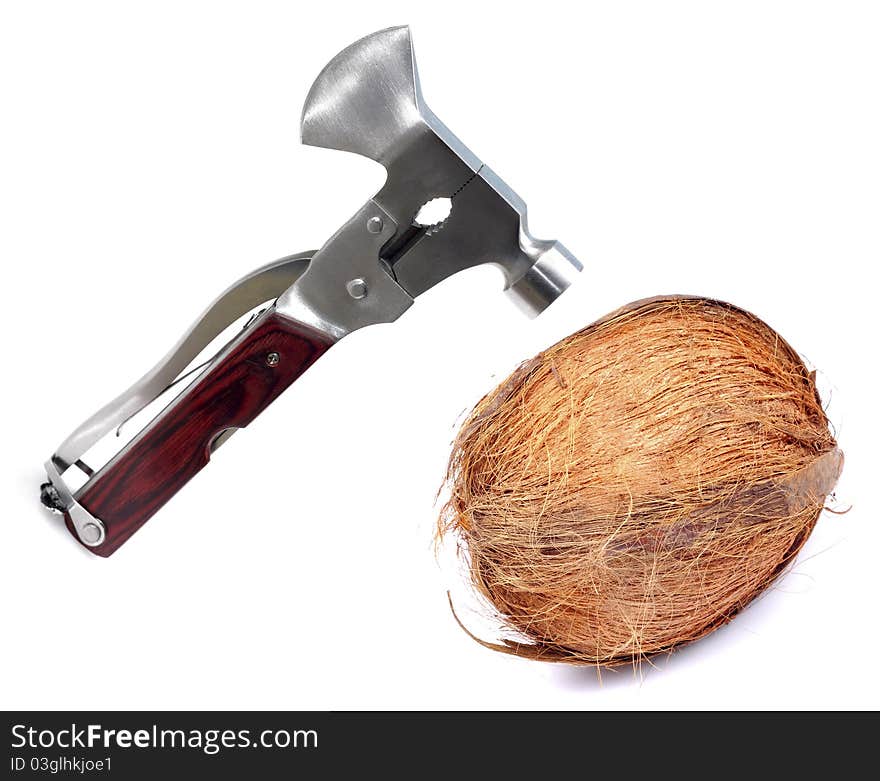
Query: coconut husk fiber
x,y
636,485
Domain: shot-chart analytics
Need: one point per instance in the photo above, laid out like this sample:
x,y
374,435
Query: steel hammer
x,y
367,100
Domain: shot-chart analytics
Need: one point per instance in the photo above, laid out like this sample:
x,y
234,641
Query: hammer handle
x,y
248,376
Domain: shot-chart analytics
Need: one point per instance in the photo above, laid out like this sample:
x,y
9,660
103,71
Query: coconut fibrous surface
x,y
635,486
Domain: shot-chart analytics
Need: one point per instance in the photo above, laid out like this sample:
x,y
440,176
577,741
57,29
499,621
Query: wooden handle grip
x,y
262,362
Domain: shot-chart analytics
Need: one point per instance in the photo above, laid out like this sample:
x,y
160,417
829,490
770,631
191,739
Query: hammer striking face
x,y
367,100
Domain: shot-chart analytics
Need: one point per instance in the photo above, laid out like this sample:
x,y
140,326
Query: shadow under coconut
x,y
747,626
585,677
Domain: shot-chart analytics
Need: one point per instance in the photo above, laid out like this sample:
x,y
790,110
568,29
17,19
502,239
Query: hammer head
x,y
368,100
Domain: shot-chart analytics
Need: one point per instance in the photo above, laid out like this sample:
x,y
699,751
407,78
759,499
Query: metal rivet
x,y
90,533
273,359
356,288
375,225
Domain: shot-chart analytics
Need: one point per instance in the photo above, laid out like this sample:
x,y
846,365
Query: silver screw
x,y
90,533
273,359
356,288
375,225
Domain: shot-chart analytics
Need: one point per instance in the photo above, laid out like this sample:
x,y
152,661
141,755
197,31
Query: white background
x,y
149,156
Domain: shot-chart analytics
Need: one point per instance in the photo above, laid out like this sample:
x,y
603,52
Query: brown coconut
x,y
636,485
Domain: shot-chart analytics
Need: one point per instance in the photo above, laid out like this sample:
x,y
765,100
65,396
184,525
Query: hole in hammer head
x,y
433,214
